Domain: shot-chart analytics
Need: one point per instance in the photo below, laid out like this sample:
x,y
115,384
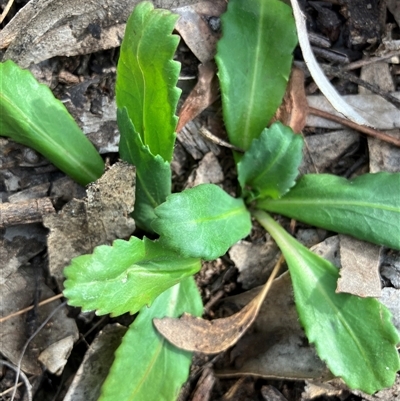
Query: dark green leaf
x,y
147,77
353,335
202,222
124,277
254,59
367,207
31,115
153,174
146,366
270,166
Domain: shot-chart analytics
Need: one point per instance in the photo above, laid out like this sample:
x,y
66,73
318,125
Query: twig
x,y
218,141
6,10
361,128
18,372
373,88
27,309
371,60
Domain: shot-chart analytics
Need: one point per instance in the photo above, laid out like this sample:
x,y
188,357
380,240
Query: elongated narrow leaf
x,y
367,207
147,77
353,335
202,222
254,58
124,277
153,173
146,366
31,115
270,166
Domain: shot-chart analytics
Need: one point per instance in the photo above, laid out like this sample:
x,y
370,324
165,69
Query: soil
x,y
85,82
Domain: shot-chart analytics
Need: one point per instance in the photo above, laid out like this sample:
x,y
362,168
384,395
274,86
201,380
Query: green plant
x,y
130,275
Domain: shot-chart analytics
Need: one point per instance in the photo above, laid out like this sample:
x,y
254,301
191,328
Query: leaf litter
x,y
378,118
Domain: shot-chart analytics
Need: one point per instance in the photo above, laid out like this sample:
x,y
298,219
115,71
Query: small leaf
x,y
146,366
270,166
202,222
367,207
147,77
31,115
353,335
153,173
254,58
124,277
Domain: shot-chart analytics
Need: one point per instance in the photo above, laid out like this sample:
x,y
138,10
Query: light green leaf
x,y
270,166
153,173
147,77
254,59
124,277
202,222
367,207
353,335
32,116
146,366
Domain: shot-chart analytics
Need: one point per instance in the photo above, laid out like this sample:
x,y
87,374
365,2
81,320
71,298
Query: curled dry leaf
x,y
210,337
294,108
203,94
199,27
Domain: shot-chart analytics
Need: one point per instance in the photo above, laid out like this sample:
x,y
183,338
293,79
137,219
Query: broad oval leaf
x,y
153,173
31,115
254,59
367,207
146,366
270,166
354,336
202,222
147,77
124,277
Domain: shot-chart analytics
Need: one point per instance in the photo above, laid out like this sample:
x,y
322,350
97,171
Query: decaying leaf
x,y
203,94
210,337
294,108
275,346
199,27
49,28
99,219
359,274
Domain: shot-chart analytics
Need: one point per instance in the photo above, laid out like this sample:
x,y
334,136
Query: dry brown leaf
x,y
49,28
294,108
199,27
210,337
99,219
203,94
359,274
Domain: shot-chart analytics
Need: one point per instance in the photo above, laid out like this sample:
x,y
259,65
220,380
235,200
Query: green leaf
x,y
32,116
254,59
270,166
124,277
147,77
153,173
367,207
202,222
146,366
353,335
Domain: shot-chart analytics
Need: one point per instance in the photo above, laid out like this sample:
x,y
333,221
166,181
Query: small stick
x,y
218,141
361,128
18,372
27,309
